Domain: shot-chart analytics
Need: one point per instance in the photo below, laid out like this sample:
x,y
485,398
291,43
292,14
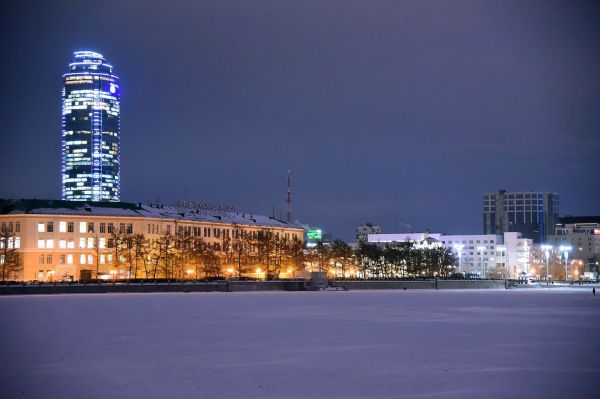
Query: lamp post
x,y
458,248
547,249
565,250
502,250
480,249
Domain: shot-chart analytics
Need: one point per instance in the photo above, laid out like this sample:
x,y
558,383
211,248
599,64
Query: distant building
x,y
91,111
507,255
533,214
363,231
66,239
582,233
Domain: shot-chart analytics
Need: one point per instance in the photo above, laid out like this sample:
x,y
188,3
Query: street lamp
x,y
189,273
480,249
458,248
565,250
502,250
547,249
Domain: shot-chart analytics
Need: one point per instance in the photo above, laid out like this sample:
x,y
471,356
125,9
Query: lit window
x,y
90,259
69,259
62,227
102,243
81,242
17,242
41,227
82,259
70,244
62,243
49,243
82,227
41,244
90,242
102,259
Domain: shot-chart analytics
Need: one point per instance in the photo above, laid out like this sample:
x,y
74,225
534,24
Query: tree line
x,y
180,255
393,260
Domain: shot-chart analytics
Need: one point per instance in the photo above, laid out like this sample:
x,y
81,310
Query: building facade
x,y
64,239
486,255
582,234
533,214
90,166
363,231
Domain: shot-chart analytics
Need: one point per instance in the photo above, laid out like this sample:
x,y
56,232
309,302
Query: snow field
x,y
535,343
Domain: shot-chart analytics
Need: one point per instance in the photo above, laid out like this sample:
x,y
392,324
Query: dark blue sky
x,y
386,111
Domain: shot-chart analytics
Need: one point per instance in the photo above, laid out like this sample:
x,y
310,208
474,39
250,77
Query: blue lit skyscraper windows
x,y
90,130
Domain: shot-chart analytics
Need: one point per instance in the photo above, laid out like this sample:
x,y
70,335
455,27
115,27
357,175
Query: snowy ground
x,y
534,343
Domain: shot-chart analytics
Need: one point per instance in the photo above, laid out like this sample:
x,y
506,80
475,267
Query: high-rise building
x,y
533,214
90,130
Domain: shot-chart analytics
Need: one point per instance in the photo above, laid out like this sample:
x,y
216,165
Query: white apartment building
x,y
482,254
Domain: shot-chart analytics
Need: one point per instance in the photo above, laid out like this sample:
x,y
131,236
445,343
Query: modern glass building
x,y
90,130
533,214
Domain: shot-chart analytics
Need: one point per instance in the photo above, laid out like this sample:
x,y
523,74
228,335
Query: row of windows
x,y
518,195
83,243
11,228
68,259
515,208
470,242
208,232
84,227
11,243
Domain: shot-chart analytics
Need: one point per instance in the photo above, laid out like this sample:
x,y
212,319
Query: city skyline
x,y
370,125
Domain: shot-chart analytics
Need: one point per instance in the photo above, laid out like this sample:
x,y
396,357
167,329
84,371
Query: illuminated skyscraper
x,y
90,130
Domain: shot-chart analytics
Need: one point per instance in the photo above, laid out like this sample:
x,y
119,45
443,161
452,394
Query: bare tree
x,y
141,250
9,256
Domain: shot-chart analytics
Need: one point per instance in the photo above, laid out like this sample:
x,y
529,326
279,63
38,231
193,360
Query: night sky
x,y
391,112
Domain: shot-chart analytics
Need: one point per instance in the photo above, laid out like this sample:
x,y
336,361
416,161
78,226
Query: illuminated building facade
x,y
90,130
65,238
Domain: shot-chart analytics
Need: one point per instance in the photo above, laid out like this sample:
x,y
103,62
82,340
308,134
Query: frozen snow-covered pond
x,y
535,343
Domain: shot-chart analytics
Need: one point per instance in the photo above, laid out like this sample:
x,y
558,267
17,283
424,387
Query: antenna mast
x,y
289,198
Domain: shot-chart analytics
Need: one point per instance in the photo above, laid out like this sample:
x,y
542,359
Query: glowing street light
x,y
547,249
565,250
189,273
480,249
458,248
114,274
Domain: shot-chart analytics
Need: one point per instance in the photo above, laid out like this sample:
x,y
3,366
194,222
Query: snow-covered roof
x,y
124,209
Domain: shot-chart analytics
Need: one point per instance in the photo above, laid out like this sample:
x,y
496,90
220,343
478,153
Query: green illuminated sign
x,y
313,234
